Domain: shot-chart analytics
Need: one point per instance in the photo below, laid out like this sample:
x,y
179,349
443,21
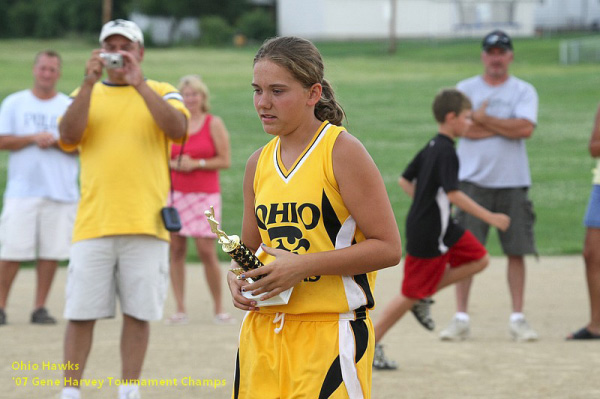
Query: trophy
x,y
247,260
234,247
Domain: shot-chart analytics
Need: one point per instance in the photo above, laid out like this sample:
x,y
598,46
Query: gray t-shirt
x,y
498,162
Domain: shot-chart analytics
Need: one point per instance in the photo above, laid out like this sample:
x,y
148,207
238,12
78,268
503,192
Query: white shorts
x,y
36,228
134,268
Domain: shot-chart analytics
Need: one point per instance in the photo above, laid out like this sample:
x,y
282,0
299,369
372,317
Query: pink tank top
x,y
200,145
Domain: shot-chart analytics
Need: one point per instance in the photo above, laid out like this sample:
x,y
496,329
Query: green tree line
x,y
59,18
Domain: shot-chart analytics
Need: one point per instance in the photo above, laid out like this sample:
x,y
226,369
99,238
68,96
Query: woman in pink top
x,y
195,177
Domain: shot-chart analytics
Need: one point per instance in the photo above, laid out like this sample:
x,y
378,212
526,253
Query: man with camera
x,y
122,127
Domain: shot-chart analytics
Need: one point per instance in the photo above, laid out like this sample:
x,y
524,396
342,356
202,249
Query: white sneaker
x,y
134,395
520,330
131,395
457,330
73,394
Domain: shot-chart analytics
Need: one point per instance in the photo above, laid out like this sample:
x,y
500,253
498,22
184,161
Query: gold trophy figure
x,y
233,246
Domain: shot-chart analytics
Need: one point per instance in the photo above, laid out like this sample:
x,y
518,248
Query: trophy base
x,y
281,299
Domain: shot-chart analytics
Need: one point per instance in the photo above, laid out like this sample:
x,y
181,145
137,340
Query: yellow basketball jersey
x,y
301,210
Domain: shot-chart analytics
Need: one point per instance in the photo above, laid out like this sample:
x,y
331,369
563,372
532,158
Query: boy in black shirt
x,y
440,252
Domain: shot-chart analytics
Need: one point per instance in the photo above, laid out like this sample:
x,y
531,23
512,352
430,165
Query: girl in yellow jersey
x,y
318,215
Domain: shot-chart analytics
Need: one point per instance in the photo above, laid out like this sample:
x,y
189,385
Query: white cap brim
x,y
124,28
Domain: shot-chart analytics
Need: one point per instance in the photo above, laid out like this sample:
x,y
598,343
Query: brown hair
x,y
449,100
302,59
47,53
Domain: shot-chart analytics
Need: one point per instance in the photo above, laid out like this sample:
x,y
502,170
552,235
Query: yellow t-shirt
x,y
301,210
124,172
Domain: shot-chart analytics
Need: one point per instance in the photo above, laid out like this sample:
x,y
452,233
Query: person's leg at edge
x,y
486,198
46,269
134,342
468,258
519,328
464,272
77,346
394,310
516,281
463,289
178,250
8,272
462,277
591,254
208,254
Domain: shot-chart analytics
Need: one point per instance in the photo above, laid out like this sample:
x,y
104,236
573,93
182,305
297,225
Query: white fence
x,y
575,51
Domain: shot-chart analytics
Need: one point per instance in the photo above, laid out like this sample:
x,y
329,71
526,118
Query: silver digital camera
x,y
112,60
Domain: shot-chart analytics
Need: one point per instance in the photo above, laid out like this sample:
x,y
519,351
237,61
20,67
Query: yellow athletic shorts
x,y
312,356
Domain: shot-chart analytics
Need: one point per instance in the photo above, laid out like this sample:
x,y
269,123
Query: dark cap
x,y
497,39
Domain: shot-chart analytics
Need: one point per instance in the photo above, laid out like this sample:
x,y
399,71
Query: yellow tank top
x,y
301,210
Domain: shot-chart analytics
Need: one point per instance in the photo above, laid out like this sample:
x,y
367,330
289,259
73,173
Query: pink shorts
x,y
422,275
191,207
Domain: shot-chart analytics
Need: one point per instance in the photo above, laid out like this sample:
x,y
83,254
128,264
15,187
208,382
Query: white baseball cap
x,y
122,27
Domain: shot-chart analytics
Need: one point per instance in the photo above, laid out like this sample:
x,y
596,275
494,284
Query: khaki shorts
x,y
36,228
519,239
134,268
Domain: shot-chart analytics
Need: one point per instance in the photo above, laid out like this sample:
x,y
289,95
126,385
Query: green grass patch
x,y
387,99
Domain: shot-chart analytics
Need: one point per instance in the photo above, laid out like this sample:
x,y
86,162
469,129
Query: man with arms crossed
x,y
494,171
41,194
122,127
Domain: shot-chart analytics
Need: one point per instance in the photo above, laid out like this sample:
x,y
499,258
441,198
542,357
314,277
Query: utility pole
x,y
392,48
584,12
106,11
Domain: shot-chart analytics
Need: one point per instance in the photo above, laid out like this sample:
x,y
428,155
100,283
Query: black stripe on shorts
x,y
334,379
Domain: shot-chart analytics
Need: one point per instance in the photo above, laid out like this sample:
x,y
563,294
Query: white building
x,y
166,30
371,19
568,14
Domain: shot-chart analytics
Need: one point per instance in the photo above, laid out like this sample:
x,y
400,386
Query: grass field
x,y
387,99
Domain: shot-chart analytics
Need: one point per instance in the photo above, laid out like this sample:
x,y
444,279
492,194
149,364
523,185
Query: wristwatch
x,y
202,163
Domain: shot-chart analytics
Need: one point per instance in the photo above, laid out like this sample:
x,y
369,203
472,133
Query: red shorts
x,y
422,275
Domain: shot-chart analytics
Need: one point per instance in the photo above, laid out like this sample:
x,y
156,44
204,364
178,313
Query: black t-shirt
x,y
430,228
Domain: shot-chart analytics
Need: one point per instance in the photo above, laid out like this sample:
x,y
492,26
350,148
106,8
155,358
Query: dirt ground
x,y
196,360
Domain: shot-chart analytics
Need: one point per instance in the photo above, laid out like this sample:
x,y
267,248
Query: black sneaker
x,y
2,317
380,362
421,310
41,316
